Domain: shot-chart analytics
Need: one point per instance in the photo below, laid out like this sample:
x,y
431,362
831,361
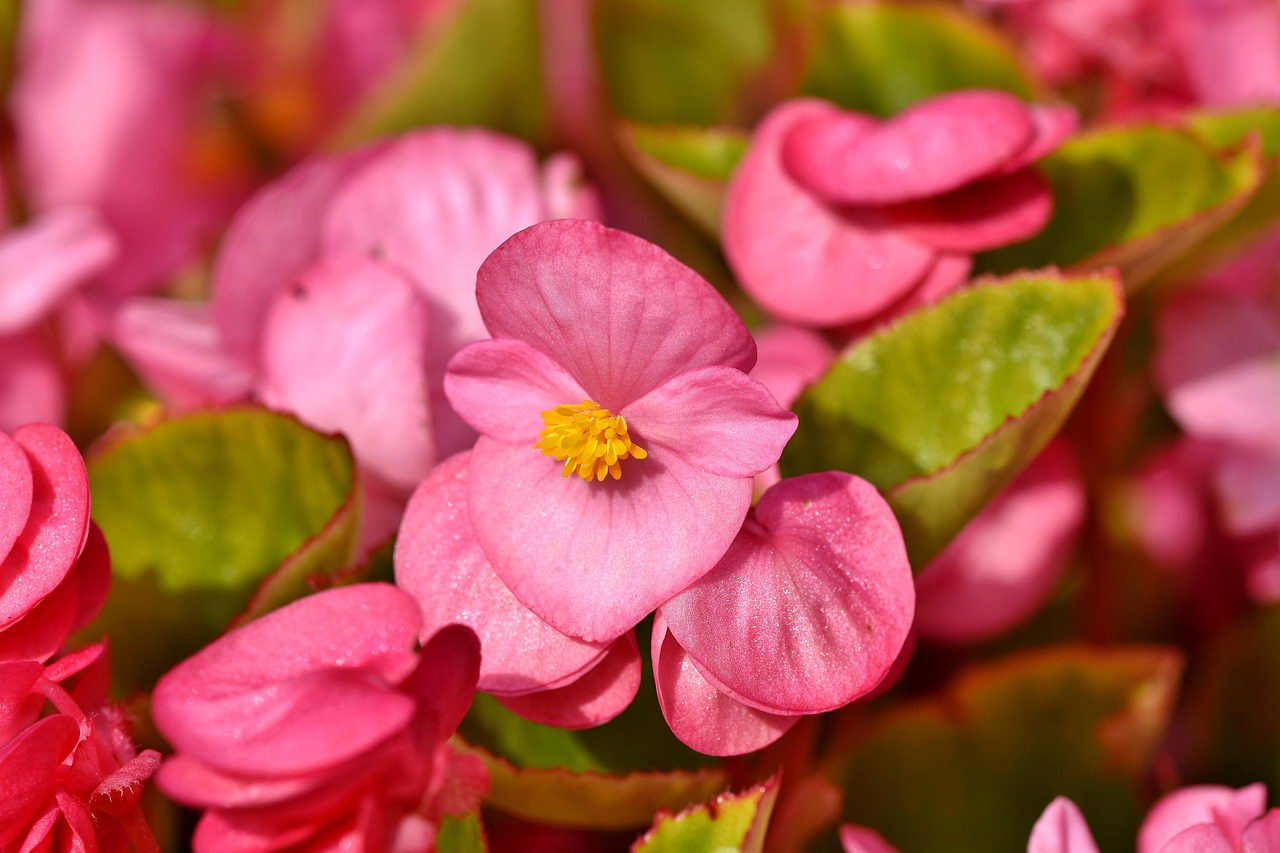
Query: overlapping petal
x,y
1227,810
597,696
44,261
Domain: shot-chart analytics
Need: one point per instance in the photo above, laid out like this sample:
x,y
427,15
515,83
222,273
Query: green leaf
x,y
945,407
731,822
198,512
461,835
974,767
1138,198
881,57
479,65
691,166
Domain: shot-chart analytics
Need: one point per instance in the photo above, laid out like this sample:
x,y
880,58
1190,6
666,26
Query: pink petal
x,y
19,705
1247,483
1263,835
345,350
594,558
717,419
1007,561
949,271
31,384
440,564
601,694
802,260
1233,57
817,586
501,388
860,839
56,527
934,147
983,215
1061,829
261,699
1053,124
1230,809
196,784
790,359
565,193
444,682
618,313
178,351
701,716
15,492
28,765
47,259
1201,838
40,633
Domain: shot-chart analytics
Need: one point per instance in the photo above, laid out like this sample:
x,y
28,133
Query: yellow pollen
x,y
589,440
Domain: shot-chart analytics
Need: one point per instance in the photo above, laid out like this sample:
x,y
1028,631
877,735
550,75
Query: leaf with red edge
x,y
730,822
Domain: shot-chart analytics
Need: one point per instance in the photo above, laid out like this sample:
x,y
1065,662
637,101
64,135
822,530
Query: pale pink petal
x,y
715,418
1247,483
593,558
1006,562
790,359
28,765
178,351
600,694
1230,809
1233,52
817,586
344,348
983,215
440,564
934,147
565,192
618,313
15,492
1061,829
31,385
860,839
802,260
1263,835
501,388
47,259
701,716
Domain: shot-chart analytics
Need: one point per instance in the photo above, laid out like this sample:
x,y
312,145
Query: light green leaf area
x,y
974,767
881,57
200,513
945,407
731,822
461,835
677,62
691,166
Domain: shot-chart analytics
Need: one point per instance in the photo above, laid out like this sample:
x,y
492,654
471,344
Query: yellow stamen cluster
x,y
589,440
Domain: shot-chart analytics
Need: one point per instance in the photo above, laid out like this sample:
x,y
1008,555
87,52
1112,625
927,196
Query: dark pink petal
x,y
618,313
1263,835
1007,561
47,259
790,359
31,385
802,260
860,839
444,681
816,585
56,527
93,571
28,765
594,558
1053,124
716,418
603,692
196,784
701,716
983,215
934,147
1061,829
344,348
19,706
15,492
501,388
1231,809
440,564
304,687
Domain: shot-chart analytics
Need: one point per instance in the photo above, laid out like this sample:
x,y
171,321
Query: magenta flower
x,y
319,720
817,586
619,431
835,217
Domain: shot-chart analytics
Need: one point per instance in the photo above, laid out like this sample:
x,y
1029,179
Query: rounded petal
x,y
47,259
801,259
32,389
983,215
594,558
15,492
1201,838
1061,829
1263,835
444,682
439,562
934,147
817,586
716,418
1053,123
501,388
345,349
618,313
195,784
600,694
701,716
1230,809
790,359
860,839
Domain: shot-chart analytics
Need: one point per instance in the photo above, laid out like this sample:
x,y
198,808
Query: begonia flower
x,y
834,216
619,432
319,723
807,611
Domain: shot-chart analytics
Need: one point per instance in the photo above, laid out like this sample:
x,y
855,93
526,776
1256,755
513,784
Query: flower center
x,y
589,440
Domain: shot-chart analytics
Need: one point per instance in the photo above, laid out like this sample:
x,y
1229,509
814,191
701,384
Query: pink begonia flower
x,y
532,668
619,431
1006,562
319,723
816,586
1061,829
788,360
834,217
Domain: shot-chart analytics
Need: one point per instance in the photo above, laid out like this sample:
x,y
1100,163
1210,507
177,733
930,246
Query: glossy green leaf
x,y
461,835
974,767
942,409
1137,198
881,57
730,822
691,166
198,512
